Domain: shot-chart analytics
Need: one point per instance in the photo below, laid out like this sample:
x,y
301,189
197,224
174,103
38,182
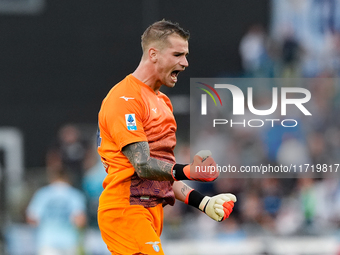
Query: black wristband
x,y
177,172
195,198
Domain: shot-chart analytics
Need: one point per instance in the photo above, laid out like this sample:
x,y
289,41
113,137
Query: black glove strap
x,y
177,172
195,198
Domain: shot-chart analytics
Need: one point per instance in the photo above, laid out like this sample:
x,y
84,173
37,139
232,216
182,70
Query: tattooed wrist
x,y
185,189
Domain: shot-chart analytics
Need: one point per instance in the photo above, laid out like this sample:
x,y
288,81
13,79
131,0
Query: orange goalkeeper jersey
x,y
133,112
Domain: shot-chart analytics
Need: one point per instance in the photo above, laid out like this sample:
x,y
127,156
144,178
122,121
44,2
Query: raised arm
x,y
218,207
154,169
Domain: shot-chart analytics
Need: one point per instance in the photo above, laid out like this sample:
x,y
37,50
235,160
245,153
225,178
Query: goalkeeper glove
x,y
203,168
218,207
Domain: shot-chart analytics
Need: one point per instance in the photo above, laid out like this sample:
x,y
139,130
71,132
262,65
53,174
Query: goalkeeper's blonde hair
x,y
159,32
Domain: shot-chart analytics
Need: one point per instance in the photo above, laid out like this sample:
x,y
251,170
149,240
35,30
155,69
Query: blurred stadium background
x,y
58,59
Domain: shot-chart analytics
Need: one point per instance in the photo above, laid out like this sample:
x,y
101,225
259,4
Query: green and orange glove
x,y
203,168
218,207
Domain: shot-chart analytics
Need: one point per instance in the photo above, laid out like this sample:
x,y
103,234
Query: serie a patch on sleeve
x,y
131,121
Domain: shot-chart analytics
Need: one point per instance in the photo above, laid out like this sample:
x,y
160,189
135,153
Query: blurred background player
x,y
58,211
136,139
69,152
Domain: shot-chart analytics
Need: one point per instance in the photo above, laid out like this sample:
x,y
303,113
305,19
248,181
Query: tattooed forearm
x,y
185,189
145,166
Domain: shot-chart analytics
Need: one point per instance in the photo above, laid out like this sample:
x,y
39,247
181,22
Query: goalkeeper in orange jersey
x,y
136,139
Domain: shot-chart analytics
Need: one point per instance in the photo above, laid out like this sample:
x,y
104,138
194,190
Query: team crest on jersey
x,y
131,121
154,246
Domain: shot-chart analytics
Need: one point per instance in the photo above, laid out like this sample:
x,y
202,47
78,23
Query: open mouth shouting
x,y
174,75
